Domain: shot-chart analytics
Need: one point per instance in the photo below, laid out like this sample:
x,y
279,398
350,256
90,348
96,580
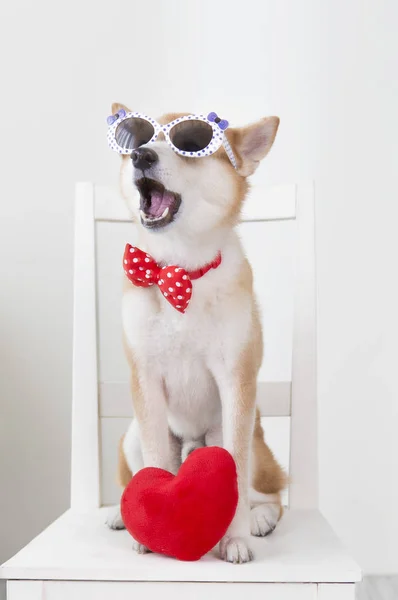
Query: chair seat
x,y
303,548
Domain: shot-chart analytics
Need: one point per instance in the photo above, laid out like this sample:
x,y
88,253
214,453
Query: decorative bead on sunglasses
x,y
217,124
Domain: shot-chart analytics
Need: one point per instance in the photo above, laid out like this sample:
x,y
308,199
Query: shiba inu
x,y
192,331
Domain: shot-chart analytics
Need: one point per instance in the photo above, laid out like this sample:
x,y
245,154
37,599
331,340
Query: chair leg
x,y
336,591
24,590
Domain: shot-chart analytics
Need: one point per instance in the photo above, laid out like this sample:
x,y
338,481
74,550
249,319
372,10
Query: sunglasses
x,y
193,136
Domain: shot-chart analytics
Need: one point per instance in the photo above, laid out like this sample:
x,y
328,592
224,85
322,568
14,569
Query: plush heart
x,y
183,515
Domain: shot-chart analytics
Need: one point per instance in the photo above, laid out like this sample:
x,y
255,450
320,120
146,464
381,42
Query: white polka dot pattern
x,y
173,282
179,292
218,138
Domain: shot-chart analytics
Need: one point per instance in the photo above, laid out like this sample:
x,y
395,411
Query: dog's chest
x,y
215,316
186,350
158,332
175,347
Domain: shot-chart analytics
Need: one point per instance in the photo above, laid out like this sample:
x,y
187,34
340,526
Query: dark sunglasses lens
x,y
191,135
134,132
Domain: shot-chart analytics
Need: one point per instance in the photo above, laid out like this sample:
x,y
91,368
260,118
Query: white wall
x,y
357,185
327,69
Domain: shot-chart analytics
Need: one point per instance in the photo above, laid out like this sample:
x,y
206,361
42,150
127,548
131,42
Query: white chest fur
x,y
183,349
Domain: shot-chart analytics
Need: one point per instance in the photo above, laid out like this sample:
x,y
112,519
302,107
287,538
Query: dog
x,y
194,372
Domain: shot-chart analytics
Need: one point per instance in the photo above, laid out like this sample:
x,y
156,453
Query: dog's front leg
x,y
148,441
238,396
149,403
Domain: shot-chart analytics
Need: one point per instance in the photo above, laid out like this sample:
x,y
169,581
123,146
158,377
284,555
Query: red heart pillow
x,y
186,515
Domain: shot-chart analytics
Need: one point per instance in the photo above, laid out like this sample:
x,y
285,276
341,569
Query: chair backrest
x,y
278,234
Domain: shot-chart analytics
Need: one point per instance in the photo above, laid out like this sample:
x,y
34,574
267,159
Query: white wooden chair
x,y
78,556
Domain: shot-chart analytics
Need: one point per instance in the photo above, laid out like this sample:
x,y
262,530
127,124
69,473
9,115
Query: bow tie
x,y
174,282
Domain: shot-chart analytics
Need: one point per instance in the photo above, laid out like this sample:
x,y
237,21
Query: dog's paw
x,y
114,518
263,519
235,550
140,548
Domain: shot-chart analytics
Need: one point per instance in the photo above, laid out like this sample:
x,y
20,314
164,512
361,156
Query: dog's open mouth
x,y
158,206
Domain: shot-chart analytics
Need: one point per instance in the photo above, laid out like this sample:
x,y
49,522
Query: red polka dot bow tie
x,y
174,282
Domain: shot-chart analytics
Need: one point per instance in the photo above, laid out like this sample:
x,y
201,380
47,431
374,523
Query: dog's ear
x,y
252,143
116,106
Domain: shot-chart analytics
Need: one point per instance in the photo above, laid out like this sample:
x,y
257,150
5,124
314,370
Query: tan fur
x,y
136,393
116,106
268,476
243,140
246,376
251,358
241,188
246,164
241,426
241,183
124,474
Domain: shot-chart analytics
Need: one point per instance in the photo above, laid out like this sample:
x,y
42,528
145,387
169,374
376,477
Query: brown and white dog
x,y
193,375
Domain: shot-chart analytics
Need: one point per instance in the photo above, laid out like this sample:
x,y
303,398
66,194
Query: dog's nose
x,y
143,158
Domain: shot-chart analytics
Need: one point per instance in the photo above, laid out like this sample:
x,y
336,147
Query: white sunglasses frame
x,y
218,139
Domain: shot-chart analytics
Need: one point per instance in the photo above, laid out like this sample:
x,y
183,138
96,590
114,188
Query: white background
x,y
329,70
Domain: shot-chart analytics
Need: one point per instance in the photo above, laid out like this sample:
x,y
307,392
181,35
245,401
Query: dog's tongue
x,y
159,201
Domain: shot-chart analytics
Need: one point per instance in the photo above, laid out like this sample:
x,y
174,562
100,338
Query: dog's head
x,y
192,196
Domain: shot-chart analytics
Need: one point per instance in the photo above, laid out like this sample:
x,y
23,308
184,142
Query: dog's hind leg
x,y
268,480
